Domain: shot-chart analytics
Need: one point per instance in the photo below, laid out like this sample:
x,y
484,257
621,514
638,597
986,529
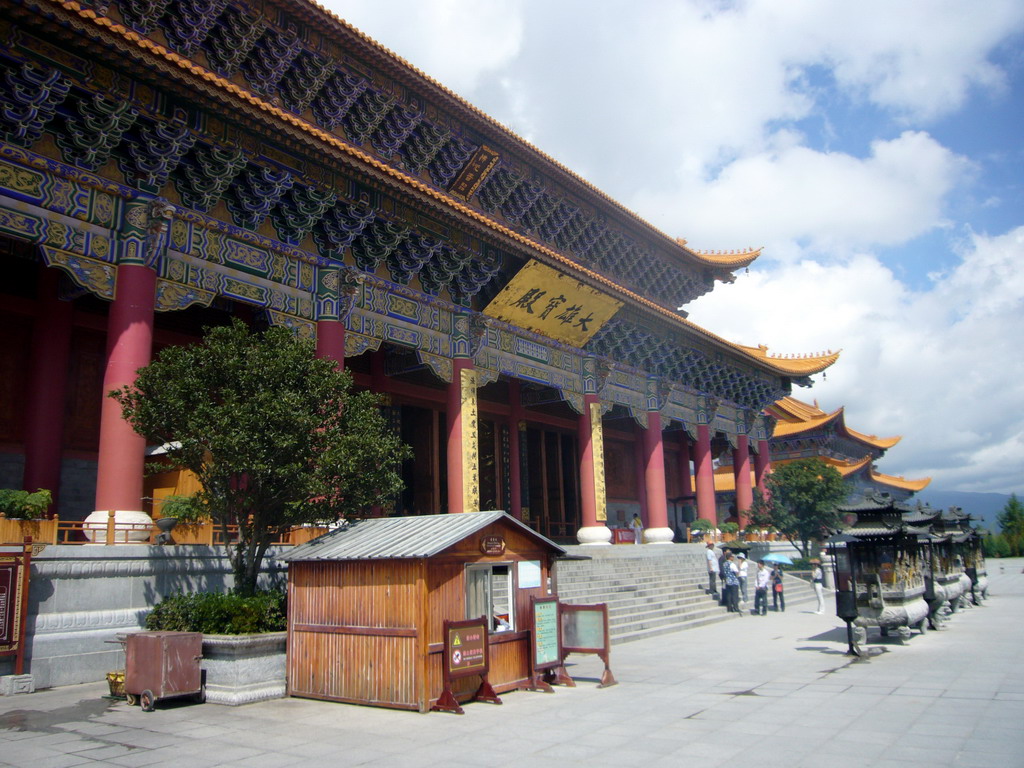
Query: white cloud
x,y
457,42
830,200
941,367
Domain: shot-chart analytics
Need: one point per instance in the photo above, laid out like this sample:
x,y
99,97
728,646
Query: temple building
x,y
169,166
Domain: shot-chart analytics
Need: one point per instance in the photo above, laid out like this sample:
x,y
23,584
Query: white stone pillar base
x,y
658,535
139,532
594,536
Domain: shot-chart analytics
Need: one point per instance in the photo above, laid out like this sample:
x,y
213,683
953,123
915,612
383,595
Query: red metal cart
x,y
162,665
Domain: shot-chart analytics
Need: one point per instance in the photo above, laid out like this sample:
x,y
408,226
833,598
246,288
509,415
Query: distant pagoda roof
x,y
796,417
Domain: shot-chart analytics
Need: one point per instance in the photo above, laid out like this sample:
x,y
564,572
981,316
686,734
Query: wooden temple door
x,y
554,483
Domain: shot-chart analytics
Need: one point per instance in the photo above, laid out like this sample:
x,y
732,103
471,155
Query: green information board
x,y
546,650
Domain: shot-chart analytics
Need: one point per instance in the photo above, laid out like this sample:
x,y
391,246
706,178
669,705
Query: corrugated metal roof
x,y
402,537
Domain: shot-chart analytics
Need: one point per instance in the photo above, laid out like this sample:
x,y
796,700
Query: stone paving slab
x,y
773,690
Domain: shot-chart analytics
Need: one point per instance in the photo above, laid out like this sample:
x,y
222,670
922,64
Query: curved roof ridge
x,y
898,481
789,366
847,467
873,440
802,365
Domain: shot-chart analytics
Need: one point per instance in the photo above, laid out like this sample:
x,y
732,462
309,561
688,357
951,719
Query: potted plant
x,y
699,528
729,531
22,505
21,515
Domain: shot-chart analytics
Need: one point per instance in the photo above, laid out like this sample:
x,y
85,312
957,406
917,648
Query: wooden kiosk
x,y
367,606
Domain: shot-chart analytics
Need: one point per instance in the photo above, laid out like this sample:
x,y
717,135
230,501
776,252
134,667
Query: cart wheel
x,y
132,699
147,700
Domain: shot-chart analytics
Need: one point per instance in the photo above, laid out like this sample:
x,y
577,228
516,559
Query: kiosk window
x,y
489,593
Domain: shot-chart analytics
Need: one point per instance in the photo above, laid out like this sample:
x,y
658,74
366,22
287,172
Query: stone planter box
x,y
241,669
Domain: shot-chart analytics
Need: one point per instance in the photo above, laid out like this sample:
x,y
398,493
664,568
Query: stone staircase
x,y
651,589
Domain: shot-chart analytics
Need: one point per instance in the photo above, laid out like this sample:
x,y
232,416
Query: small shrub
x,y
185,508
214,613
800,564
701,525
22,505
730,527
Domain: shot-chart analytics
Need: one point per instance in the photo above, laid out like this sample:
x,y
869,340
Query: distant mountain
x,y
985,506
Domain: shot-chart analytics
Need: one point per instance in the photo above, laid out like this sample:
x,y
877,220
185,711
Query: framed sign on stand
x,y
465,655
585,630
546,646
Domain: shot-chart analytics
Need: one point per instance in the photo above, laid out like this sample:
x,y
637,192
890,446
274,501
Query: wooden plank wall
x,y
353,631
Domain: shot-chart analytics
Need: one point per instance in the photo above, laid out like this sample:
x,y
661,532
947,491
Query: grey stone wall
x,y
82,596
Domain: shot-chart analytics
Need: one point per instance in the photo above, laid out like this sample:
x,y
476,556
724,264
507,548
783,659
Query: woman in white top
x,y
818,579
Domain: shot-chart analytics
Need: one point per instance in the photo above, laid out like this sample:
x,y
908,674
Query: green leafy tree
x,y
801,501
274,435
1011,524
760,512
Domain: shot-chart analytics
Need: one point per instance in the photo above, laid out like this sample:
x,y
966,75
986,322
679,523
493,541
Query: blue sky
x,y
873,149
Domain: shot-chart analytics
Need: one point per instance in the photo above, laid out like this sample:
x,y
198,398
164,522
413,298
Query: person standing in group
x,y
638,528
778,596
818,579
743,567
762,579
723,569
712,560
732,584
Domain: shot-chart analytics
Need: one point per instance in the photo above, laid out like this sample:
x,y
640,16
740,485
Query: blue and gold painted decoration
x,y
302,328
440,366
97,277
551,303
357,343
21,225
171,296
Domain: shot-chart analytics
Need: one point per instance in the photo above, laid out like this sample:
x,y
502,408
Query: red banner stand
x,y
466,653
14,574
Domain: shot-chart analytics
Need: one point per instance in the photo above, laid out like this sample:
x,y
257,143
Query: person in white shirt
x,y
818,579
743,572
762,579
638,528
712,568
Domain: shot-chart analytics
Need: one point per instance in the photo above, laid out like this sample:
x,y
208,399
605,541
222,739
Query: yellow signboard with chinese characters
x,y
544,300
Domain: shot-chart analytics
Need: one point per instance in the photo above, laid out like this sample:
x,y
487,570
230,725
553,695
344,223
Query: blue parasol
x,y
775,557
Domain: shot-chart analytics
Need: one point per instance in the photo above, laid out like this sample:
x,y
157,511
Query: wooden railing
x,y
57,531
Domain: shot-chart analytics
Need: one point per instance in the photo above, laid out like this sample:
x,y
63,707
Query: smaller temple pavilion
x,y
803,431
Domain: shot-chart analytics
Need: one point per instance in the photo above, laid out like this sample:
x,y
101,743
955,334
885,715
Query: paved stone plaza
x,y
765,691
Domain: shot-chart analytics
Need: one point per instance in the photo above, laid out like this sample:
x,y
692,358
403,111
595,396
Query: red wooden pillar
x,y
685,480
48,383
762,466
705,476
592,500
639,479
129,347
741,474
657,530
463,485
515,418
330,341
